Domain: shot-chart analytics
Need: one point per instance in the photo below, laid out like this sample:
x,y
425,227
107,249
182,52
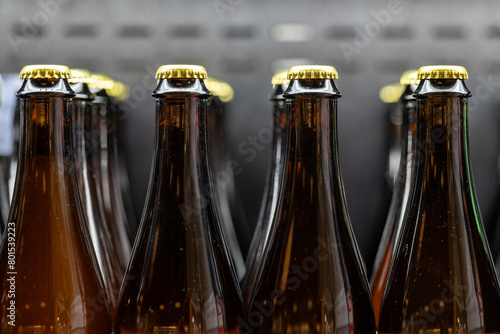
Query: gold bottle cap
x,y
181,72
119,91
280,78
442,72
79,75
312,72
391,93
101,81
220,89
409,78
45,72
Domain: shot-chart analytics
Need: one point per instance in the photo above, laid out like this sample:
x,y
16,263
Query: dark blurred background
x,y
243,42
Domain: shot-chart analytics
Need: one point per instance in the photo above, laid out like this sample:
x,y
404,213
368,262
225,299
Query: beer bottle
x,y
221,167
400,192
106,178
312,279
442,278
86,120
272,189
224,167
378,210
51,281
180,278
390,95
119,93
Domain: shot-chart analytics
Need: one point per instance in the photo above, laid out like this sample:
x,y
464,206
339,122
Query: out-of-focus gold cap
x,y
442,72
312,72
181,72
220,89
391,93
79,75
45,72
119,90
101,81
280,78
409,78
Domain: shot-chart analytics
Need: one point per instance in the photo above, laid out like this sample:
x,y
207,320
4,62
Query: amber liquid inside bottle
x,y
271,196
399,201
311,279
86,124
442,279
180,278
49,272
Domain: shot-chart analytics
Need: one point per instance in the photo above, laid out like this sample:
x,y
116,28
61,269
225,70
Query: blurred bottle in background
x,y
119,93
86,142
312,279
390,95
401,189
442,277
52,279
180,278
226,167
381,201
221,167
108,177
264,228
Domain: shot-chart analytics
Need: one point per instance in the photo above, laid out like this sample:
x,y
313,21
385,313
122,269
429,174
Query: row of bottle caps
x,y
341,310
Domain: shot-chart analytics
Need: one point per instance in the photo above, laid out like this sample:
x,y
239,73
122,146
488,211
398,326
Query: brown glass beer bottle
x,y
400,192
108,183
221,167
312,279
51,280
180,278
272,189
86,120
442,278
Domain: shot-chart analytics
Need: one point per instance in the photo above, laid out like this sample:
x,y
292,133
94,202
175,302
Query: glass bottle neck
x,y
46,151
407,137
103,105
312,122
313,135
181,155
279,132
46,126
442,140
181,134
